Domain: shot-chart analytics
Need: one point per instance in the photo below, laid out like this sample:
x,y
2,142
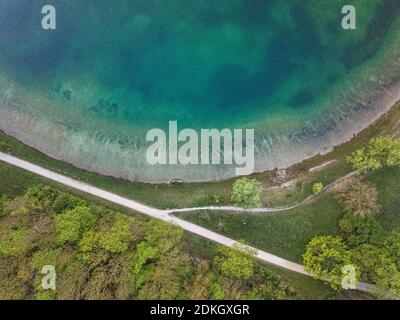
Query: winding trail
x,y
309,199
166,216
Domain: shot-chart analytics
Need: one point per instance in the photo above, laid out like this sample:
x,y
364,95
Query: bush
x,y
43,195
246,193
317,187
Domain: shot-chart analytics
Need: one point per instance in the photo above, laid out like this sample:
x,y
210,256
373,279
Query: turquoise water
x,y
114,69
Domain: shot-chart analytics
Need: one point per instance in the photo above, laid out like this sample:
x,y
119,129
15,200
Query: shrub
x,y
43,195
391,246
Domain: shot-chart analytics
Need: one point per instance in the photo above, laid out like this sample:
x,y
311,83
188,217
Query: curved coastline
x,y
366,95
34,131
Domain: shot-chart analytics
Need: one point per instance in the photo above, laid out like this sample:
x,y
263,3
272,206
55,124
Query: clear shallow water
x,y
112,70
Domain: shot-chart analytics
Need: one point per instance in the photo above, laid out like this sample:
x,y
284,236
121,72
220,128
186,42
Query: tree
x,y
71,224
391,246
237,263
3,201
65,202
325,257
117,239
163,236
360,198
89,241
45,257
217,293
100,254
15,242
377,153
143,264
168,278
45,295
317,187
44,196
357,230
246,193
393,159
377,267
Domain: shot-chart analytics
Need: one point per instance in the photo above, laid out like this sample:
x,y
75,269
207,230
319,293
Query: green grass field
x,y
282,233
286,233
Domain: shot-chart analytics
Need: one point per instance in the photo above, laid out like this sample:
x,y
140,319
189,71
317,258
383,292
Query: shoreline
x,y
305,152
166,196
353,105
65,131
393,100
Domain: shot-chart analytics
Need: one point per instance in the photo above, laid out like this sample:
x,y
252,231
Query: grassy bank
x,y
282,233
287,233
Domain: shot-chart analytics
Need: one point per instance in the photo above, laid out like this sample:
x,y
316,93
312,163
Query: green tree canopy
x,y
102,254
118,238
317,187
325,257
237,262
65,202
15,242
357,230
246,193
163,236
217,293
377,153
71,224
391,246
377,267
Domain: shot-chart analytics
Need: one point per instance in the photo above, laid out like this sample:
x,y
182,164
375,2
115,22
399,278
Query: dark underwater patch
x,y
301,99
